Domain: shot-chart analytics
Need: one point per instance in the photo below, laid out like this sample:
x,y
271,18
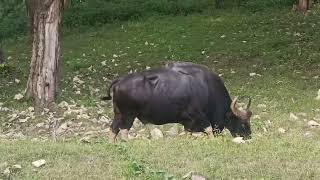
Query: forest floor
x,y
271,56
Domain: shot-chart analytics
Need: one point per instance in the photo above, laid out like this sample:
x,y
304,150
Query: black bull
x,y
184,93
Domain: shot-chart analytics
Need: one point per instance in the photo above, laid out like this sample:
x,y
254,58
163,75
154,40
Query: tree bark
x,y
303,6
1,56
43,78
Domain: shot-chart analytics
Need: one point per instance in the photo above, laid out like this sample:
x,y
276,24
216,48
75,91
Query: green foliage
x,y
95,12
260,5
13,19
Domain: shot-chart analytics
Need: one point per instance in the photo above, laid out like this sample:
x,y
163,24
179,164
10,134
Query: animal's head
x,y
239,120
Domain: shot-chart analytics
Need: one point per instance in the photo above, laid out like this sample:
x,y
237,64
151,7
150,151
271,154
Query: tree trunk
x,y
303,6
43,78
1,56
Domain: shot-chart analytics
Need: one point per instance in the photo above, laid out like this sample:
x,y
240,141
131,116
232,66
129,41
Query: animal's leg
x,y
126,124
114,130
205,125
115,125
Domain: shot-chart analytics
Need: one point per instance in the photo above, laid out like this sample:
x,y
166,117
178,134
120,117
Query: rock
x,y
24,120
308,134
197,177
313,124
238,140
256,117
193,176
173,131
31,109
63,104
293,116
156,133
18,96
83,116
182,133
17,167
188,175
62,128
262,106
85,139
39,163
281,130
254,74
137,123
104,119
197,134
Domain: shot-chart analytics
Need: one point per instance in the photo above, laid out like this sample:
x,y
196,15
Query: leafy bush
x,y
95,12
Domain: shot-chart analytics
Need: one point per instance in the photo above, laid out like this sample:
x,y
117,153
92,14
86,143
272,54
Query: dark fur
x,y
183,93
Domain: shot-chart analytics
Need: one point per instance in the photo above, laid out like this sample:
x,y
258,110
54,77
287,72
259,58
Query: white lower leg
x,y
124,134
112,137
209,131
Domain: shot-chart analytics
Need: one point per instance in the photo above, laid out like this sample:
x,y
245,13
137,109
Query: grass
x,y
279,45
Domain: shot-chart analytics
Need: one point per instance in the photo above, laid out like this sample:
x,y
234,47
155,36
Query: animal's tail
x,y
108,97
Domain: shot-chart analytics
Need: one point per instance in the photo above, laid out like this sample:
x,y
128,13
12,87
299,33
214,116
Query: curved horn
x,y
237,112
249,103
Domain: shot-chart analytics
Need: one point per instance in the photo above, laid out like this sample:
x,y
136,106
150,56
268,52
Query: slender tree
x,y
303,6
44,20
1,55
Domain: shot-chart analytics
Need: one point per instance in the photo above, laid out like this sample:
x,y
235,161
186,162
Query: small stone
x,y
281,130
31,109
308,134
182,133
293,116
262,106
39,163
238,140
17,166
197,177
313,124
104,119
252,74
24,120
173,131
63,104
104,63
137,123
18,96
17,81
256,117
85,139
156,133
197,134
188,175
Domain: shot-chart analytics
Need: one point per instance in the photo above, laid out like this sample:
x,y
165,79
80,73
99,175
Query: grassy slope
x,y
280,46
